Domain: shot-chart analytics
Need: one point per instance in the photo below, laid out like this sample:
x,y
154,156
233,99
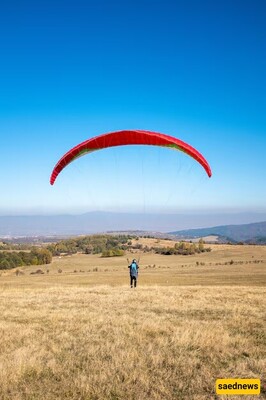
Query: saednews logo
x,y
238,386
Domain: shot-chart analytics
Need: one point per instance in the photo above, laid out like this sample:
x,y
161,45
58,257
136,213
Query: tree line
x,y
183,248
106,245
13,259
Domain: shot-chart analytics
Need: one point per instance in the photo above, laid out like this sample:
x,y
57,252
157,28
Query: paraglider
x,y
124,138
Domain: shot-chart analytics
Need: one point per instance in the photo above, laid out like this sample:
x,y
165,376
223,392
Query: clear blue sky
x,y
71,70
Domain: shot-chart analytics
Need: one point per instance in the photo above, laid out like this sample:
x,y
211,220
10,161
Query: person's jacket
x,y
133,269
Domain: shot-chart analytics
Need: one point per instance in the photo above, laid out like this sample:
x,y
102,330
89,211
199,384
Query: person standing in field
x,y
133,271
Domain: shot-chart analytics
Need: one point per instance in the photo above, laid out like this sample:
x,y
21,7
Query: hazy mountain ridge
x,y
246,233
100,222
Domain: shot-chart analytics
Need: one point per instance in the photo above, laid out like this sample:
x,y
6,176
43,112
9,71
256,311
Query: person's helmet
x,y
134,261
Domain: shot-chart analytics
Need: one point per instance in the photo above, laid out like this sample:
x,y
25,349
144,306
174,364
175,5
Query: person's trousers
x,y
133,278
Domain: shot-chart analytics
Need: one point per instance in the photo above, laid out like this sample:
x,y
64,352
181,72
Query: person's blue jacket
x,y
133,269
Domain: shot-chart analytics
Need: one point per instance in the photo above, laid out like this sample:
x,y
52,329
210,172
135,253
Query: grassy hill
x,y
79,332
247,233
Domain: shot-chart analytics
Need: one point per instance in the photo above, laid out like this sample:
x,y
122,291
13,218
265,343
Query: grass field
x,y
82,333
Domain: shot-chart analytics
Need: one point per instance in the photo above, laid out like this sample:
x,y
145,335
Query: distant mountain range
x,y
226,226
246,233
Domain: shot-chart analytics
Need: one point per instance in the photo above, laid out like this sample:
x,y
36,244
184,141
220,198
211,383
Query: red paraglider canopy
x,y
124,138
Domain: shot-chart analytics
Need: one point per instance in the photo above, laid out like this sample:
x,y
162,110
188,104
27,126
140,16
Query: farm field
x,y
80,332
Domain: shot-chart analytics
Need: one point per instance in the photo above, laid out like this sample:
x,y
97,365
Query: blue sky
x,y
192,69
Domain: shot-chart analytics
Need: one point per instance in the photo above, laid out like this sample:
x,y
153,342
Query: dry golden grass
x,y
87,335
